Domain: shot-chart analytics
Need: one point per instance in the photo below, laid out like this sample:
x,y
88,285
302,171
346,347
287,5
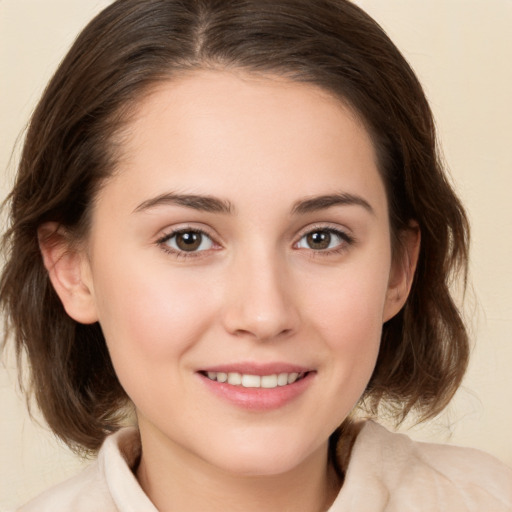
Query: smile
x,y
256,381
258,387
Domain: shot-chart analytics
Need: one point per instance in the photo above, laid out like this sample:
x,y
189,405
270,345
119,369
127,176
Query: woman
x,y
232,217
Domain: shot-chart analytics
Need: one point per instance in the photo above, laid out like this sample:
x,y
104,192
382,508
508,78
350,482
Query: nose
x,y
259,300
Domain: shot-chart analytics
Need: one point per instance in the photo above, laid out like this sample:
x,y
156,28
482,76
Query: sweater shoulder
x,y
414,475
108,484
84,492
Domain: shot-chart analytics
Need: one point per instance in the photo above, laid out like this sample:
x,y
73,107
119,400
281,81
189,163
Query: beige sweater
x,y
387,472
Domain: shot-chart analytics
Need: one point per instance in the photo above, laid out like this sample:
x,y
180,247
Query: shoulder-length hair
x,y
70,149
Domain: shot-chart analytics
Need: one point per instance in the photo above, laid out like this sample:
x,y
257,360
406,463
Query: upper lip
x,y
249,368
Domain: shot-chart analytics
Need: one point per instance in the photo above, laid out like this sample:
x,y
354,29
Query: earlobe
x,y
402,271
67,270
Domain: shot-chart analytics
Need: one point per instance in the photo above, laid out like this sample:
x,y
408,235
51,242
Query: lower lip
x,y
259,399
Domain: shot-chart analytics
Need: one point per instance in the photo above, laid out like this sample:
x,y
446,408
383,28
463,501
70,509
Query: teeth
x,y
269,381
235,379
255,381
282,379
219,376
251,381
292,377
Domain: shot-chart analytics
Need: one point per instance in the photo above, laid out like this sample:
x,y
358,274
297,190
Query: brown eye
x,y
319,240
324,240
189,241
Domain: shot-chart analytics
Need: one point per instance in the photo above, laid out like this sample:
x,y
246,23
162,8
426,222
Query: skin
x,y
256,291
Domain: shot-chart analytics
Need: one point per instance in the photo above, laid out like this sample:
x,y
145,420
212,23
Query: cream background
x,y
462,52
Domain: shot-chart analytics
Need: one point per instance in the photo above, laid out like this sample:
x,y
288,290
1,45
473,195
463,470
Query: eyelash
x,y
163,241
346,240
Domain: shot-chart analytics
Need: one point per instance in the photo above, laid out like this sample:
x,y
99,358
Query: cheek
x,y
151,323
350,301
353,334
348,312
150,315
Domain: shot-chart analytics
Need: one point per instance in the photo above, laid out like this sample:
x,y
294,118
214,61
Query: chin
x,y
263,459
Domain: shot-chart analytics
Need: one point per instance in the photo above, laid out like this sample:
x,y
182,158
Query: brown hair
x,y
70,148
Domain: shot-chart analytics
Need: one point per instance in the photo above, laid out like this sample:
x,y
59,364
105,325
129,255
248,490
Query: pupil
x,y
319,240
188,241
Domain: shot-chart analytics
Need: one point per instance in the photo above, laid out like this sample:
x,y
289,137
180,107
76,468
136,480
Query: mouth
x,y
247,380
257,387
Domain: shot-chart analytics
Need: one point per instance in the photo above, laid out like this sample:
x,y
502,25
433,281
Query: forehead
x,y
222,133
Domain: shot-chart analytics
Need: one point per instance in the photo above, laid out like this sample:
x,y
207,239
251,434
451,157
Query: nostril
x,y
263,335
260,309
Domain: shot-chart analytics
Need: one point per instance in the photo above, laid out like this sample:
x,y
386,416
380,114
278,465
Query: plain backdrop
x,y
462,52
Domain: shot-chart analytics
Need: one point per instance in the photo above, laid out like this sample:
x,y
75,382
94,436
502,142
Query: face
x,y
239,264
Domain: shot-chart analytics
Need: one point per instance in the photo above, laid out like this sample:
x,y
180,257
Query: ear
x,y
402,270
69,272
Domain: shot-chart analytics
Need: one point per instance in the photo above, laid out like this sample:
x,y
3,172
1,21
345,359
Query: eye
x,y
323,239
187,240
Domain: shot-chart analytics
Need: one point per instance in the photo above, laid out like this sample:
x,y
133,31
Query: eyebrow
x,y
212,204
323,202
193,201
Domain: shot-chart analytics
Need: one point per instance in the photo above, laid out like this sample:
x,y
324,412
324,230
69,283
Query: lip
x,y
258,399
258,368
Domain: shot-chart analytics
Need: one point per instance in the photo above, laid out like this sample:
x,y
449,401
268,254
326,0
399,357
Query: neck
x,y
176,480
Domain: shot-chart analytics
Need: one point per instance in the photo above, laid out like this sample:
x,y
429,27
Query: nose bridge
x,y
259,303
